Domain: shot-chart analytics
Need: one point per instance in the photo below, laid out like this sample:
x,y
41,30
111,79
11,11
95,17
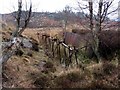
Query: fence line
x,y
55,46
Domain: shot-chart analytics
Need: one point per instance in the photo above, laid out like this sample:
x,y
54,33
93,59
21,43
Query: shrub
x,y
42,81
73,76
48,64
105,83
106,79
75,79
62,82
49,67
109,68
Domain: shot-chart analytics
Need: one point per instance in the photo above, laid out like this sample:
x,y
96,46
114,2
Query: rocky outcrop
x,y
25,43
29,43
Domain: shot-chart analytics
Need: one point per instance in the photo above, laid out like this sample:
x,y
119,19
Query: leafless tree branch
x,y
13,40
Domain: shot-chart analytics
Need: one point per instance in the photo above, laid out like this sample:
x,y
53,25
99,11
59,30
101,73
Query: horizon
x,y
8,6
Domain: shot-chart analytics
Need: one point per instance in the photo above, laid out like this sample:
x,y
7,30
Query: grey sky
x,y
7,6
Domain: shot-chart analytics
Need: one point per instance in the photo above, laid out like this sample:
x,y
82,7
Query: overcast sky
x,y
7,6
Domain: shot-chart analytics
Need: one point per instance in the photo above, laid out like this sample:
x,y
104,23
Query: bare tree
x,y
119,13
14,42
26,19
66,13
99,18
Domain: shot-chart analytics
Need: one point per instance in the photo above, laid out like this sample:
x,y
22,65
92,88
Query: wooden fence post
x,y
38,36
44,39
76,55
59,51
49,43
45,42
70,54
53,47
57,47
65,57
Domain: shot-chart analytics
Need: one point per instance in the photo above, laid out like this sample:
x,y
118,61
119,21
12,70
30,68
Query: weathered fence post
x,y
44,38
49,42
39,37
59,51
70,54
46,41
65,57
53,47
76,55
57,47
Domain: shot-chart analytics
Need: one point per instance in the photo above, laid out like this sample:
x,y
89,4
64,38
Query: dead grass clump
x,y
106,82
97,84
73,80
109,69
73,76
62,82
49,67
48,64
7,76
108,78
41,80
30,54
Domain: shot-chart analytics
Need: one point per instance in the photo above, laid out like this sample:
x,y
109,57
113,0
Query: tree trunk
x,y
95,33
98,30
